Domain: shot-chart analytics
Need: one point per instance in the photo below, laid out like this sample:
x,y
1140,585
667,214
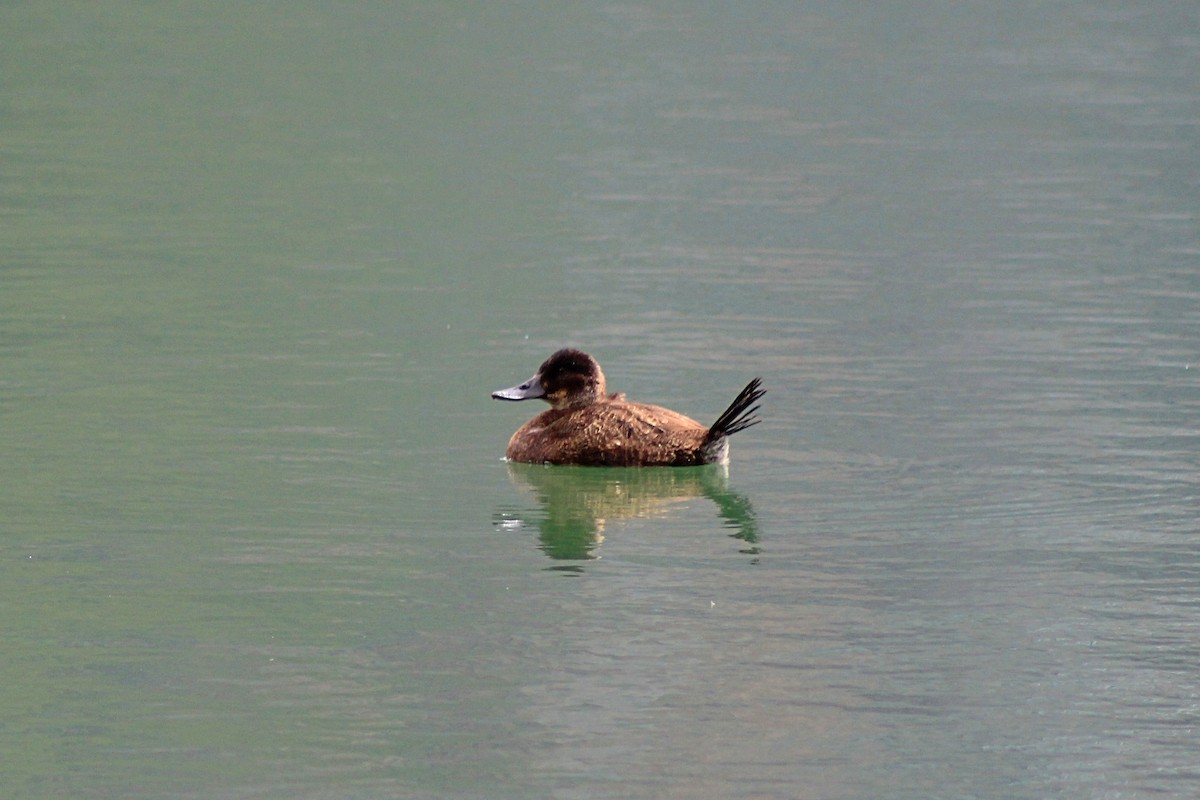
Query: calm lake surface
x,y
263,265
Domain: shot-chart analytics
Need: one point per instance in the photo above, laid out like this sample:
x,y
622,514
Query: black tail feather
x,y
740,414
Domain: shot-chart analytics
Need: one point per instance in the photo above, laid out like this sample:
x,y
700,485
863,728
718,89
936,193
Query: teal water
x,y
264,265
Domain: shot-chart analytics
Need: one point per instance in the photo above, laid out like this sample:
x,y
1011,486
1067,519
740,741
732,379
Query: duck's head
x,y
567,378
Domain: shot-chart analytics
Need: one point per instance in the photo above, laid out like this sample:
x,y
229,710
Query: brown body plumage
x,y
587,426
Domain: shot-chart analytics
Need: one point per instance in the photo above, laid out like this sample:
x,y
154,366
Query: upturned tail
x,y
739,415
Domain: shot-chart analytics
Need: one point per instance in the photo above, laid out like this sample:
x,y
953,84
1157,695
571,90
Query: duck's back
x,y
610,433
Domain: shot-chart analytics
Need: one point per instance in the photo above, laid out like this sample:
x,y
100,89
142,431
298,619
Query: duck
x,y
587,426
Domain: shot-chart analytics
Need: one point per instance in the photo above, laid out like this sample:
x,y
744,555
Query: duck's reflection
x,y
578,502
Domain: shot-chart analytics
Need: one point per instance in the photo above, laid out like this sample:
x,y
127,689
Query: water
x,y
263,268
